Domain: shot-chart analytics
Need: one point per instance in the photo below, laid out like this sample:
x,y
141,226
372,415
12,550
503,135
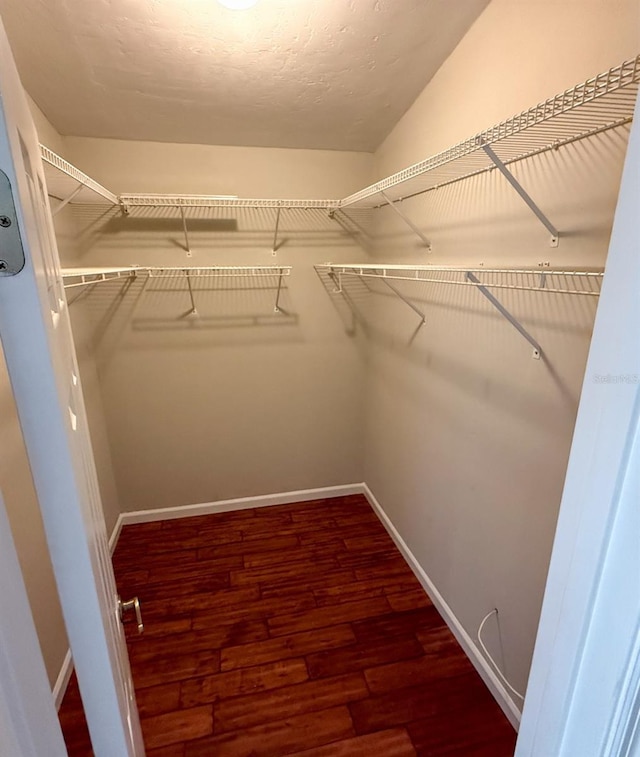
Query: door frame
x,y
42,366
29,725
583,696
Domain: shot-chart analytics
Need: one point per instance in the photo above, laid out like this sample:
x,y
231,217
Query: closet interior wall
x,y
466,436
460,435
237,400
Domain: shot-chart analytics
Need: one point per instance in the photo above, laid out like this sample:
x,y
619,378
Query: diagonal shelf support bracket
x,y
407,220
555,234
194,310
537,349
276,307
70,198
187,246
337,281
407,302
343,220
274,247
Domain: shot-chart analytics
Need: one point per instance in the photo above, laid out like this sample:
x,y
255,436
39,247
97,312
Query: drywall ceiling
x,y
334,74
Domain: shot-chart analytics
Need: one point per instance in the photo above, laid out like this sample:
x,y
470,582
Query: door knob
x,y
132,604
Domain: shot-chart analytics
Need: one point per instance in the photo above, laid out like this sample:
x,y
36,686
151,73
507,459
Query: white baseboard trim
x,y
62,681
493,683
243,503
115,534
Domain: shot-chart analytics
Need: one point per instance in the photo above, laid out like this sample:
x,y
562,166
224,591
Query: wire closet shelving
x,y
82,277
68,184
75,277
545,280
542,280
604,102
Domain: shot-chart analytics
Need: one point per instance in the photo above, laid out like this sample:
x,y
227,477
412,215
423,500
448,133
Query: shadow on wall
x,y
186,302
481,218
464,340
156,229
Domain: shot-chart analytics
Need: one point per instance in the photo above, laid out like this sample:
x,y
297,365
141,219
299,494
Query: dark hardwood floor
x,y
291,630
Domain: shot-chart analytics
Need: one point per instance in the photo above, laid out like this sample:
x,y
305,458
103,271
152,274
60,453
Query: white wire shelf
x,y
65,181
220,271
215,201
544,280
81,277
604,102
75,277
601,103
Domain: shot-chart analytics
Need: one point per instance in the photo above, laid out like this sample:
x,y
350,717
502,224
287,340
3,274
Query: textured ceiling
x,y
334,74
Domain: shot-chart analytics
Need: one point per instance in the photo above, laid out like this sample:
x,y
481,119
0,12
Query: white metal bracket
x,y
555,234
407,220
537,349
276,308
337,281
407,302
275,246
67,200
194,310
186,235
343,220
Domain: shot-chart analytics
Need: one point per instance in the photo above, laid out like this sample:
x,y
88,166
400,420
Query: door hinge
x,y
11,249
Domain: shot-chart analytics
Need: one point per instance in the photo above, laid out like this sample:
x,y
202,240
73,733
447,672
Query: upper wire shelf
x,y
67,183
601,103
226,271
76,277
215,201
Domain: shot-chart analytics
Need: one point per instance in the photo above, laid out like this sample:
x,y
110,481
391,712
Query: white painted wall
x,y
208,410
467,437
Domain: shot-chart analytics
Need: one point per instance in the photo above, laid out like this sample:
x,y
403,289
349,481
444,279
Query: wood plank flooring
x,y
291,630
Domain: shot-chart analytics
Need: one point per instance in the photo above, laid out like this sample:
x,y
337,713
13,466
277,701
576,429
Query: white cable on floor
x,y
491,660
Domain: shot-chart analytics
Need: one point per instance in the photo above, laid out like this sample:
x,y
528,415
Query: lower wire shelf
x,y
83,277
542,280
